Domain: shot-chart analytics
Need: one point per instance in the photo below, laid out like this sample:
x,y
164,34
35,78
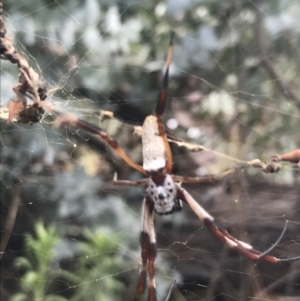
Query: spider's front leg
x,y
223,235
148,245
73,120
160,107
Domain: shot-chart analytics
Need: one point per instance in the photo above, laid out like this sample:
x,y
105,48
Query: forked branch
x,y
30,84
270,166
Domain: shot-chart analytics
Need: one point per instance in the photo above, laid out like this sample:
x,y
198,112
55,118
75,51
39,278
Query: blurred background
x,y
234,88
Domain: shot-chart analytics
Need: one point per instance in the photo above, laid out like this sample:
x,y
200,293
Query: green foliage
x,y
92,276
37,263
99,262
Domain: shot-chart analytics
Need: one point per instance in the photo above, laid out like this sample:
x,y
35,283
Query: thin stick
x,y
170,291
10,219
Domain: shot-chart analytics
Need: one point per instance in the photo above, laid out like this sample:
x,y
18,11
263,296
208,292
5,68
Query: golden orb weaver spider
x,y
164,194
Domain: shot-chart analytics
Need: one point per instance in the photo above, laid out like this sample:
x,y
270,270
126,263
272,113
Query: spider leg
x,y
129,183
73,120
276,244
203,179
223,235
160,106
148,245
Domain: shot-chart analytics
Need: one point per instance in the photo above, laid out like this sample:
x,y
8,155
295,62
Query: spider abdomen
x,y
154,155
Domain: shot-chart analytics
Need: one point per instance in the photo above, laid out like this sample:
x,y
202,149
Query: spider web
x,y
100,55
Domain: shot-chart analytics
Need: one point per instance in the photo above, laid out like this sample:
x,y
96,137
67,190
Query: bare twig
x,y
10,219
267,167
293,156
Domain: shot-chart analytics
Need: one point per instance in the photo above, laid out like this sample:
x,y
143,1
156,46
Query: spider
x,y
164,194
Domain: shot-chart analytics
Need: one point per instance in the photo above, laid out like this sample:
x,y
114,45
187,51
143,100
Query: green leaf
x,y
55,298
29,280
19,297
22,263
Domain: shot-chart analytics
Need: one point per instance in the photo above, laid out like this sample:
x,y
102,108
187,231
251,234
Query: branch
x,y
30,84
293,157
10,219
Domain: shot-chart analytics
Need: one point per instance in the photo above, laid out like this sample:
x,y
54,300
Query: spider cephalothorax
x,y
164,195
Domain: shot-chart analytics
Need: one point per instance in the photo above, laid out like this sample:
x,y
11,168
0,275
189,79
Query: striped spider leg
x,y
164,194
